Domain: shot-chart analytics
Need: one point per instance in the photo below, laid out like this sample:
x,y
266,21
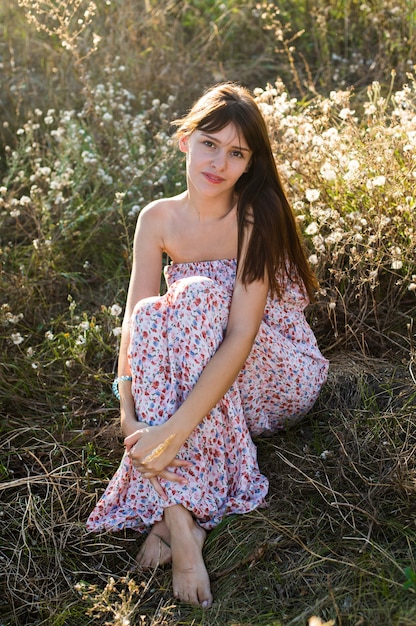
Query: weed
x,y
85,144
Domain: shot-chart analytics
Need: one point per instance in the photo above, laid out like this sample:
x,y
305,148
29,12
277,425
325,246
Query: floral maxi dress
x,y
172,338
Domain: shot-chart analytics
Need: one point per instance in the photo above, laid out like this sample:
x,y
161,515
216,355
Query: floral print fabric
x,y
172,338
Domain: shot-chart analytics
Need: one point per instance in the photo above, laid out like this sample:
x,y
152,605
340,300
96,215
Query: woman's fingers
x,y
167,475
147,470
134,438
153,463
181,463
158,487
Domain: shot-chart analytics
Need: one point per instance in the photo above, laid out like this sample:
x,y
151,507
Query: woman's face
x,y
216,160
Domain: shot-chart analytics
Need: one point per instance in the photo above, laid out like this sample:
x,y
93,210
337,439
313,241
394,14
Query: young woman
x,y
226,353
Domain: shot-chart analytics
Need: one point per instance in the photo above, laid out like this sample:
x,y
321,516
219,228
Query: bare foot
x,y
190,578
155,550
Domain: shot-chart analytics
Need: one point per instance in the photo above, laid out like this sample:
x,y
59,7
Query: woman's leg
x,y
179,539
155,550
190,578
173,337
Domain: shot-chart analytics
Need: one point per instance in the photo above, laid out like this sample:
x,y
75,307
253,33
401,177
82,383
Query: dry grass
x,y
335,540
338,536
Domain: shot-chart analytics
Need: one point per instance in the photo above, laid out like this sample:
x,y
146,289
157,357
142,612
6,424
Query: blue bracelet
x,y
119,379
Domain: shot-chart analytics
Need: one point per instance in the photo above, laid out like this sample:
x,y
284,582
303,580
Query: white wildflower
x,y
115,310
326,454
328,172
13,319
312,229
353,165
370,108
319,243
135,209
312,194
119,197
335,237
16,338
373,274
379,181
345,113
106,178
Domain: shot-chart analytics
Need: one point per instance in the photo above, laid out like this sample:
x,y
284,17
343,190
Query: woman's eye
x,y
237,153
209,144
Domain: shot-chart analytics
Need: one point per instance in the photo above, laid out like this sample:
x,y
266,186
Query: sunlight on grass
x,y
85,144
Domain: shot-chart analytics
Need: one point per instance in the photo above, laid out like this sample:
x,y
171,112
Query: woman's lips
x,y
212,178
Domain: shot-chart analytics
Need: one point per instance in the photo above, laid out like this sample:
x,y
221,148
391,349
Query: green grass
x,y
337,539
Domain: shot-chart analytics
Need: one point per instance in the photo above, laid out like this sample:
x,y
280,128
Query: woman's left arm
x,y
155,448
246,313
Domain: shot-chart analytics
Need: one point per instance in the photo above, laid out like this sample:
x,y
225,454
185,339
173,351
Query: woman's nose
x,y
219,161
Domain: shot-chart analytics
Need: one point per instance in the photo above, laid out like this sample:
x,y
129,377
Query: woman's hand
x,y
152,450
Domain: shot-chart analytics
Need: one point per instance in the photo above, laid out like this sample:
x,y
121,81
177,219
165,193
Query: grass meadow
x,y
88,89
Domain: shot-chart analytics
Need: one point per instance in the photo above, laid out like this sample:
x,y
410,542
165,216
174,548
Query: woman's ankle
x,y
176,514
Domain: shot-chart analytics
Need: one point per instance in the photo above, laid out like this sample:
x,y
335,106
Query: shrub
x,y
350,168
86,149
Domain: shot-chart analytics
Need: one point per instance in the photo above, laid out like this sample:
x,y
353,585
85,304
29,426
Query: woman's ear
x,y
183,143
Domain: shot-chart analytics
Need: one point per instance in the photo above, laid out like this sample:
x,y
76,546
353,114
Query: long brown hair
x,y
275,244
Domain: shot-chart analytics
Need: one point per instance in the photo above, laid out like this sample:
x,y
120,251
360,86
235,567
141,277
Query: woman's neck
x,y
210,208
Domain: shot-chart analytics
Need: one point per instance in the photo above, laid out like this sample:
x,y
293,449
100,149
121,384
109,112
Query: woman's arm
x,y
144,282
247,309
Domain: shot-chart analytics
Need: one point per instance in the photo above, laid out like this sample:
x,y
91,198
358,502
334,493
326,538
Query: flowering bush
x,y
88,89
77,178
76,182
350,170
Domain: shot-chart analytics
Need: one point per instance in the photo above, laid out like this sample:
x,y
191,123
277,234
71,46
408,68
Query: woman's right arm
x,y
144,283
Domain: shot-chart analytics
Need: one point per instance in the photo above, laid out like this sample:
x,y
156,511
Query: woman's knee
x,y
146,305
199,290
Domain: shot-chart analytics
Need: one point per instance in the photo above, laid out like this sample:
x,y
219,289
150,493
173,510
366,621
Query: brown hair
x,y
275,244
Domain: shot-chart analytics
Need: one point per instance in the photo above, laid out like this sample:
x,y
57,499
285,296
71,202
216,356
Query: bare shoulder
x,y
157,221
162,209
